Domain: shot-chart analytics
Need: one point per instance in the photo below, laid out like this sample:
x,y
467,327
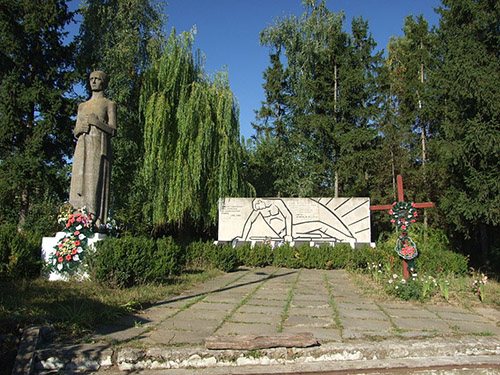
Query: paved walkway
x,y
271,301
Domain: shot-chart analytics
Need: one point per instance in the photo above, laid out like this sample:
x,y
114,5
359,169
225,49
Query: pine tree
x,y
468,86
329,98
35,124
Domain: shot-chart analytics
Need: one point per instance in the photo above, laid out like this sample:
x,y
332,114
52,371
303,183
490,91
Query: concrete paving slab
x,y
112,333
401,306
489,313
202,325
231,329
158,313
311,304
325,311
298,297
307,321
225,298
366,325
351,334
212,306
255,318
362,314
356,306
446,309
437,325
410,313
478,328
173,337
266,302
322,334
202,314
276,310
465,316
352,299
272,295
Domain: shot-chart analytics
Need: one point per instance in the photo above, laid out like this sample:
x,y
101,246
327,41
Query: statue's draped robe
x,y
91,174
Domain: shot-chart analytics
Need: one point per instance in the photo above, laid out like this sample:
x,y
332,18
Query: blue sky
x,y
228,35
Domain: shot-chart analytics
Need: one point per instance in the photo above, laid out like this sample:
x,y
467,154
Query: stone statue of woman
x,y
95,125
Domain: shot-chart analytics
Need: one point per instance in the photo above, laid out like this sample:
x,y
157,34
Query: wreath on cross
x,y
403,214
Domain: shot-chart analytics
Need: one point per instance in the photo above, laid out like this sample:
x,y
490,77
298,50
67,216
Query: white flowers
x,y
81,236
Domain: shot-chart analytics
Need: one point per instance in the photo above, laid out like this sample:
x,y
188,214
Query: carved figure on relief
x,y
289,227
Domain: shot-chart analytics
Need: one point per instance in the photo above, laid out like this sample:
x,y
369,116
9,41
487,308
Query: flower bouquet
x,y
71,249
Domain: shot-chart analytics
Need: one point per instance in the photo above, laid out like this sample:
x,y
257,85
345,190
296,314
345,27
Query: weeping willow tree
x,y
191,138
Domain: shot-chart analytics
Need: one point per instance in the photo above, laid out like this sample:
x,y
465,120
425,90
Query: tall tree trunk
x,y
23,212
335,98
393,167
424,134
483,233
336,184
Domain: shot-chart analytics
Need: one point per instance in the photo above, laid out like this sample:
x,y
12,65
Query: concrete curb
x,y
84,358
25,360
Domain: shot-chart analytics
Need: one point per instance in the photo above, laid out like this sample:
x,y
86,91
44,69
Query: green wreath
x,y
403,214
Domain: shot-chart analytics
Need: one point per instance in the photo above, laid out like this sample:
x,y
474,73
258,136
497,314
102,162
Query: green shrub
x,y
197,254
20,253
169,259
259,256
127,261
435,254
341,256
286,256
365,255
223,257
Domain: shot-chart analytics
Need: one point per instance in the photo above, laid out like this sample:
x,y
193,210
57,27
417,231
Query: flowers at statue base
x,y
72,247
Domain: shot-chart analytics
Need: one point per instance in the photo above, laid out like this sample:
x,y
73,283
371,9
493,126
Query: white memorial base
x,y
48,248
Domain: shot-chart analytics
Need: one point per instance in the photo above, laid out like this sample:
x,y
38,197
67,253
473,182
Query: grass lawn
x,y
453,289
76,308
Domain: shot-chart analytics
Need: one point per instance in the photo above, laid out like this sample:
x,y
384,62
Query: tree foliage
x,y
35,124
320,105
192,151
468,86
